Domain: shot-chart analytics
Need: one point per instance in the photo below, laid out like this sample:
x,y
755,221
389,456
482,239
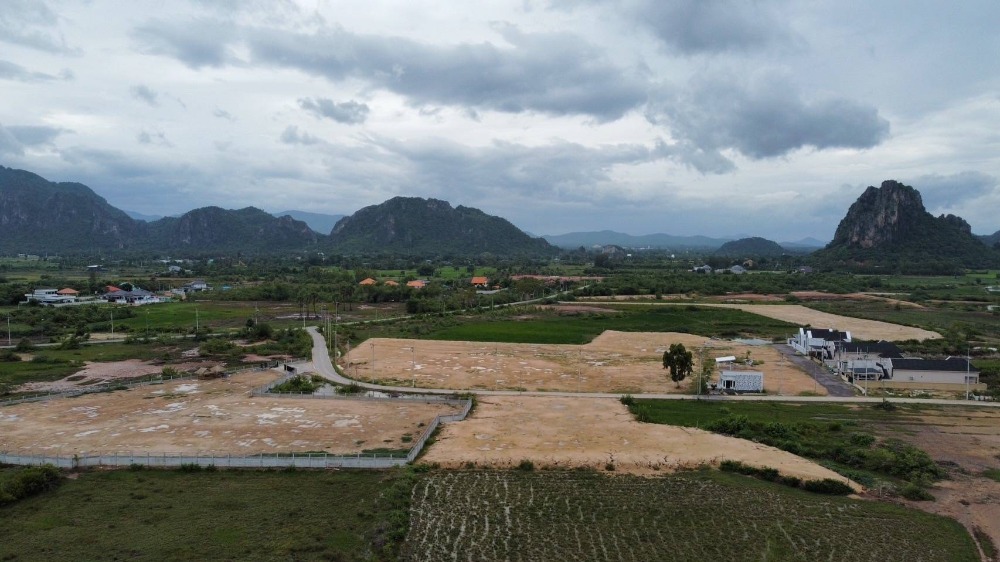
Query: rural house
x,y
821,343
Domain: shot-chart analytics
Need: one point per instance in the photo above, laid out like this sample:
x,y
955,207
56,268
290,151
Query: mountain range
x,y
888,224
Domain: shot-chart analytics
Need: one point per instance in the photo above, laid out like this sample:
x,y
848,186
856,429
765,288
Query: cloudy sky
x,y
685,117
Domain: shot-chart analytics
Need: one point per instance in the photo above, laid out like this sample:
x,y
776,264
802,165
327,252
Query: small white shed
x,y
741,381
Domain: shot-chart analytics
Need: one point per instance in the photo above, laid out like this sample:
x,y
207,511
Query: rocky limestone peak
x,y
882,216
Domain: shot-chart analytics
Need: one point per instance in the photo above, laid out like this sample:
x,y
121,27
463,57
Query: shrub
x,y
729,425
915,493
526,465
627,399
24,345
827,486
28,482
8,356
862,439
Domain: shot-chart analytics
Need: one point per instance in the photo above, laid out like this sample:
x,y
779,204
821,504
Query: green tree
x,y
679,361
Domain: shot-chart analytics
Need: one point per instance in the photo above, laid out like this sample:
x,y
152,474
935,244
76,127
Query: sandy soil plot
x,y
214,416
591,432
859,328
622,362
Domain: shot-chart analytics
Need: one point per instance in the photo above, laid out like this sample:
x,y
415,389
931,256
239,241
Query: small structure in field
x,y
741,381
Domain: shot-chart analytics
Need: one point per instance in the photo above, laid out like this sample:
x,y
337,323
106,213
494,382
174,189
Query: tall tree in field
x,y
679,361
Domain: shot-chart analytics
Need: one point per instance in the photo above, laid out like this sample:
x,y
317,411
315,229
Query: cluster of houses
x,y
884,362
135,296
477,282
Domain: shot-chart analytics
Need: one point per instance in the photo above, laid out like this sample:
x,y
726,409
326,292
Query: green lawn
x,y
224,515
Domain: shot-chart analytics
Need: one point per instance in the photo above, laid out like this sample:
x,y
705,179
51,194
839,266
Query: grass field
x,y
551,327
224,515
843,437
703,515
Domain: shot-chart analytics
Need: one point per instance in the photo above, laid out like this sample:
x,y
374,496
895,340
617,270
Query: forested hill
x,y
417,226
750,247
42,217
216,230
889,229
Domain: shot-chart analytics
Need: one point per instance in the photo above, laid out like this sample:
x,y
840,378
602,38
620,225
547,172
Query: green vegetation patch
x,y
551,327
212,515
836,433
704,515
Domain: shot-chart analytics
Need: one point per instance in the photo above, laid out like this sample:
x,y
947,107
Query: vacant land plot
x,y
564,515
173,515
594,432
214,416
620,362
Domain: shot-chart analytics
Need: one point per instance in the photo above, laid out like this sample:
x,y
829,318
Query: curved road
x,y
324,367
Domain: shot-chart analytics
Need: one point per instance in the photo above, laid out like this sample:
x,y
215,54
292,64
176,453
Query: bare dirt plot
x,y
99,372
620,362
215,416
592,432
859,327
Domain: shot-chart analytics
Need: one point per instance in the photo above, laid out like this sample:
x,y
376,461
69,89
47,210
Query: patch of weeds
x,y
985,543
915,493
526,465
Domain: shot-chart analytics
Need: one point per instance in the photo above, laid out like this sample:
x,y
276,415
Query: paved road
x,y
324,367
833,384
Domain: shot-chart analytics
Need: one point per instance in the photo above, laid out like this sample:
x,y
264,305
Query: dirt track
x,y
215,416
592,432
619,362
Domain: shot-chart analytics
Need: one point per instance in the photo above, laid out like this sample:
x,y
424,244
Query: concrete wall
x,y
943,377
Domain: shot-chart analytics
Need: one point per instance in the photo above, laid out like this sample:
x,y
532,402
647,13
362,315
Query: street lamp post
x,y
413,367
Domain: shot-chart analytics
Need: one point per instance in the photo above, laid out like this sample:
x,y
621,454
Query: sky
x,y
720,118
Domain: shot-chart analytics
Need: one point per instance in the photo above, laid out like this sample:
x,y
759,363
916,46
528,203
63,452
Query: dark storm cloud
x,y
291,135
145,94
699,26
942,192
11,71
554,73
31,23
349,112
765,117
196,43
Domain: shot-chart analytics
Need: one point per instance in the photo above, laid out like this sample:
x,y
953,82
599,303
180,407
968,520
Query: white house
x,y
953,370
821,343
741,381
49,296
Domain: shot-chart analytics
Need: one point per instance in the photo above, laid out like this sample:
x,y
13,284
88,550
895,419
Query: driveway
x,y
833,384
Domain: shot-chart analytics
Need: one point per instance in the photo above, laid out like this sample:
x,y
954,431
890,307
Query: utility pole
x,y
196,326
968,367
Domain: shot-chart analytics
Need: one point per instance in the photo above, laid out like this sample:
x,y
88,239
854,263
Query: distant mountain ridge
x,y
417,226
612,238
889,226
43,217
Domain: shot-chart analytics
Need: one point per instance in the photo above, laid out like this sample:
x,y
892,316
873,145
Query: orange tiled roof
x,y
67,291
368,281
416,284
480,281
